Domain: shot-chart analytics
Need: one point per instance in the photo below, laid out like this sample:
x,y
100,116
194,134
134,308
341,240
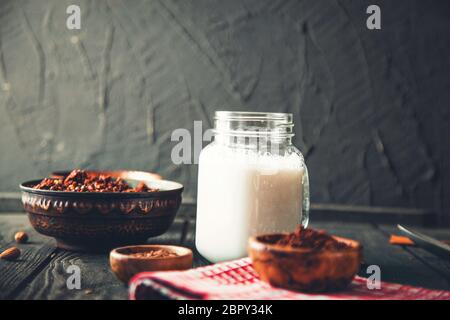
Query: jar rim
x,y
287,118
254,124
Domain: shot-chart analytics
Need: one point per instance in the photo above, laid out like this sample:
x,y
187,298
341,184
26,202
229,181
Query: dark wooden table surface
x,y
40,273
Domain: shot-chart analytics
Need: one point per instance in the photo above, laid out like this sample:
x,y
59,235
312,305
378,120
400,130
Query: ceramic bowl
x,y
99,221
303,269
125,265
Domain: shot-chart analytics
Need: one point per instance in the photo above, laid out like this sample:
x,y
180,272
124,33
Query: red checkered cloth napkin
x,y
238,280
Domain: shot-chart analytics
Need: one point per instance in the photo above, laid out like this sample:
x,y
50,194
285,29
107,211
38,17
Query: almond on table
x,y
21,237
10,254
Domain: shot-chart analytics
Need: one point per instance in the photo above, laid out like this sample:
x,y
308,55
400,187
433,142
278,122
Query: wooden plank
x,y
378,215
11,201
97,280
436,263
43,276
35,255
188,240
172,236
396,264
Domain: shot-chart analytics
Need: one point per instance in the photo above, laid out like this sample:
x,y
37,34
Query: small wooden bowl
x,y
125,265
304,269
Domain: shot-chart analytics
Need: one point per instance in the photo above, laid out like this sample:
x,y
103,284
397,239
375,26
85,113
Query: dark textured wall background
x,y
371,107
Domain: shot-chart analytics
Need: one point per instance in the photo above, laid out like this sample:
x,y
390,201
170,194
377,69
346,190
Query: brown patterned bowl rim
x,y
177,189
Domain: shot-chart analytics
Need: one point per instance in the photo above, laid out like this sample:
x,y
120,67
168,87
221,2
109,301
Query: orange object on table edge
x,y
400,240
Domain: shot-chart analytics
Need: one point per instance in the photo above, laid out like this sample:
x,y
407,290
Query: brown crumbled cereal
x,y
82,181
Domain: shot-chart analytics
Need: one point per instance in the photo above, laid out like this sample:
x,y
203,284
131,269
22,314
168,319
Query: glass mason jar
x,y
252,180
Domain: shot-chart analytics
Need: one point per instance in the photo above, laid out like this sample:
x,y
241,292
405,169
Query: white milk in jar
x,y
252,180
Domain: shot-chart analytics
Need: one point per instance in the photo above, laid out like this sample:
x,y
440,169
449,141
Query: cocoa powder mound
x,y
311,239
160,253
